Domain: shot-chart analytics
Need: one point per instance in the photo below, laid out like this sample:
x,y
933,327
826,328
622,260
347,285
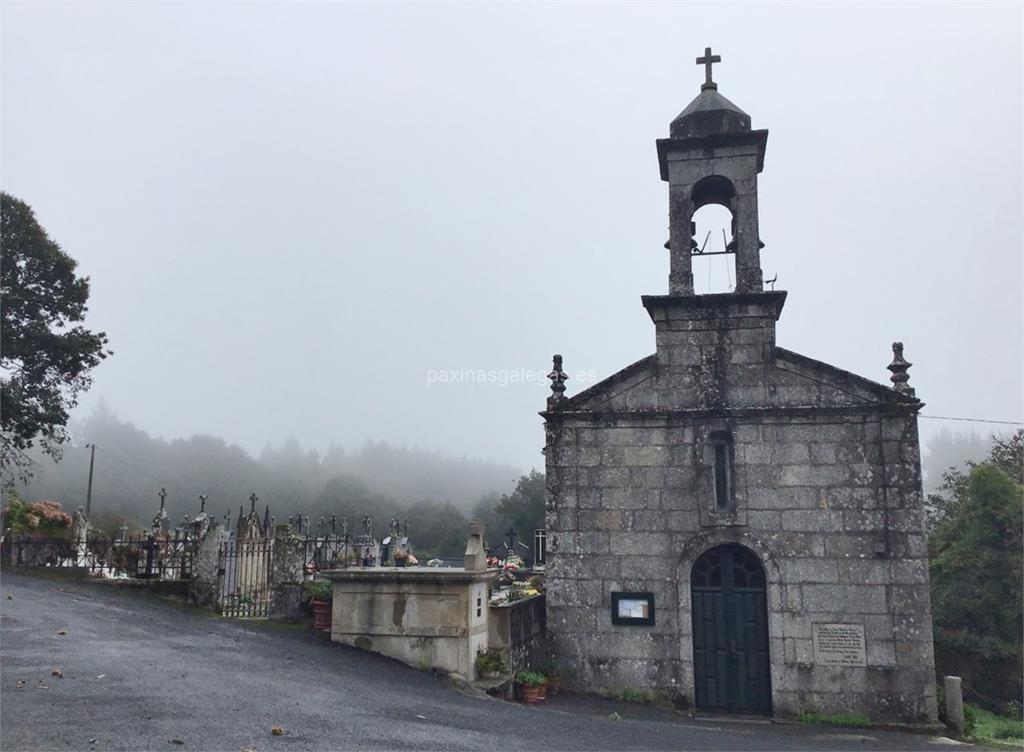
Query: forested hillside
x,y
436,493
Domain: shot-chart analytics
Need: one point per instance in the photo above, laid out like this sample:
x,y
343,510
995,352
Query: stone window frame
x,y
723,470
719,433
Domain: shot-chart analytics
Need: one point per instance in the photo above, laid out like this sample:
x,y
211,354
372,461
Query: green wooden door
x,y
730,632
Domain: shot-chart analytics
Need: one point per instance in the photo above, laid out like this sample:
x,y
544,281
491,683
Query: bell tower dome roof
x,y
709,114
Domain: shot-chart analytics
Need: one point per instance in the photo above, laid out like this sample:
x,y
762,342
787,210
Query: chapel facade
x,y
731,524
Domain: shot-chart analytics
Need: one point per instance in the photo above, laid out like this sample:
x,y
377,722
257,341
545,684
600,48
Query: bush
x,y
970,720
490,660
632,694
531,678
36,518
319,590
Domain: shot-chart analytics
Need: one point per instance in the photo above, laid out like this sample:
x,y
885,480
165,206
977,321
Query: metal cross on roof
x,y
707,61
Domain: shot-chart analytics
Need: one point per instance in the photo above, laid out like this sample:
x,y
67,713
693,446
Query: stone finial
x,y
899,368
475,558
558,379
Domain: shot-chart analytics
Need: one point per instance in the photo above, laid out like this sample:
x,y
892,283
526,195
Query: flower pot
x,y
542,695
321,615
529,693
399,562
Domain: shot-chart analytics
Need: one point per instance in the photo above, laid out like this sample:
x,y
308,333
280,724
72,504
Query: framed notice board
x,y
636,609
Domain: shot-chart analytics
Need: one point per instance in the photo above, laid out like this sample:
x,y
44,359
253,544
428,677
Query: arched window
x,y
722,448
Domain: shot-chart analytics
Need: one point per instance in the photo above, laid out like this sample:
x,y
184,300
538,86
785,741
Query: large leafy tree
x,y
46,355
976,576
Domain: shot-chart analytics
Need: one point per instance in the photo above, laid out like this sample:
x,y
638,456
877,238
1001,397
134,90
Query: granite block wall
x,y
831,505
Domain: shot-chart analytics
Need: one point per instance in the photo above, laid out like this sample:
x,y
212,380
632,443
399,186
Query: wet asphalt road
x,y
141,673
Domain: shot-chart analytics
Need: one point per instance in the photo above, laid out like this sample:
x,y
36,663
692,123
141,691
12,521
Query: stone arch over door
x,y
773,608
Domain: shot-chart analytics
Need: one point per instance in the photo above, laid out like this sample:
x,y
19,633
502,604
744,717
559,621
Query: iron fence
x,y
326,552
144,556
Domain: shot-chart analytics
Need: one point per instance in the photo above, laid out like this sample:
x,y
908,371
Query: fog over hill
x,y
378,479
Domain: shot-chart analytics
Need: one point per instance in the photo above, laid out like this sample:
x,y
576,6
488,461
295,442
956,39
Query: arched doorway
x,y
730,631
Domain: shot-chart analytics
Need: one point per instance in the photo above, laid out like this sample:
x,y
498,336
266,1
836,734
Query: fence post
x,y
952,691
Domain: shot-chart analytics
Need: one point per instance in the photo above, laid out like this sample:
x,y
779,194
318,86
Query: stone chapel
x,y
731,524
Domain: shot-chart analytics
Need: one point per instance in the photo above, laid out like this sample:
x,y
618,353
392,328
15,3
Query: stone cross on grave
x,y
707,61
159,526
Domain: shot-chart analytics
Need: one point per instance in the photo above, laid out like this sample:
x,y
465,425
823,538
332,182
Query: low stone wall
x,y
517,629
429,618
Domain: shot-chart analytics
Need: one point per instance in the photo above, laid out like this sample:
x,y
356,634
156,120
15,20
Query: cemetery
x,y
474,616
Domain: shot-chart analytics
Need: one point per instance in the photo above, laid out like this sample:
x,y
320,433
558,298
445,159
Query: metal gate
x,y
244,573
730,632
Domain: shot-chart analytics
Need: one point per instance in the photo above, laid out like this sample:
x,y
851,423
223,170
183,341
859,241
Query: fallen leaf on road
x,y
422,717
614,717
20,684
62,631
10,597
177,741
102,676
92,741
58,673
277,731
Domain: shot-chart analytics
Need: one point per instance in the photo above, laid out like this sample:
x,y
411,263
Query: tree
x,y
976,577
436,529
1005,453
46,356
524,507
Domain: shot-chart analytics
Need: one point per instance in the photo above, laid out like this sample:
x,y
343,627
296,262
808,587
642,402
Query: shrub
x,y
36,518
320,590
490,660
632,694
970,720
531,678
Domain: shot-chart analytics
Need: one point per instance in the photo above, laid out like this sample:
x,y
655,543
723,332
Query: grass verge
x,y
847,720
995,730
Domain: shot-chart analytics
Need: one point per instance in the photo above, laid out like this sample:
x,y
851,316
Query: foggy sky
x,y
291,213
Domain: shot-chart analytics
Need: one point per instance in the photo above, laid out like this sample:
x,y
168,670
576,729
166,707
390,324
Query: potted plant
x,y
530,683
489,664
556,673
321,594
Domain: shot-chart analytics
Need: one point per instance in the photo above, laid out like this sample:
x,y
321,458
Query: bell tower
x,y
712,157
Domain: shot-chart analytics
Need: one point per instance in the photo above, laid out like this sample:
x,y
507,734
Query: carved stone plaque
x,y
839,645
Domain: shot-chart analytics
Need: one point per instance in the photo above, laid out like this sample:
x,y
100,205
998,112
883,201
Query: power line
x,y
975,420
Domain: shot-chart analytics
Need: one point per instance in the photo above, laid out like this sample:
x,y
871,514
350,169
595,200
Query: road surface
x,y
143,673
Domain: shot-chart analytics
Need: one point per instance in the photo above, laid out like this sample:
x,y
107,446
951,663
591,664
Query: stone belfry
x,y
712,157
731,524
